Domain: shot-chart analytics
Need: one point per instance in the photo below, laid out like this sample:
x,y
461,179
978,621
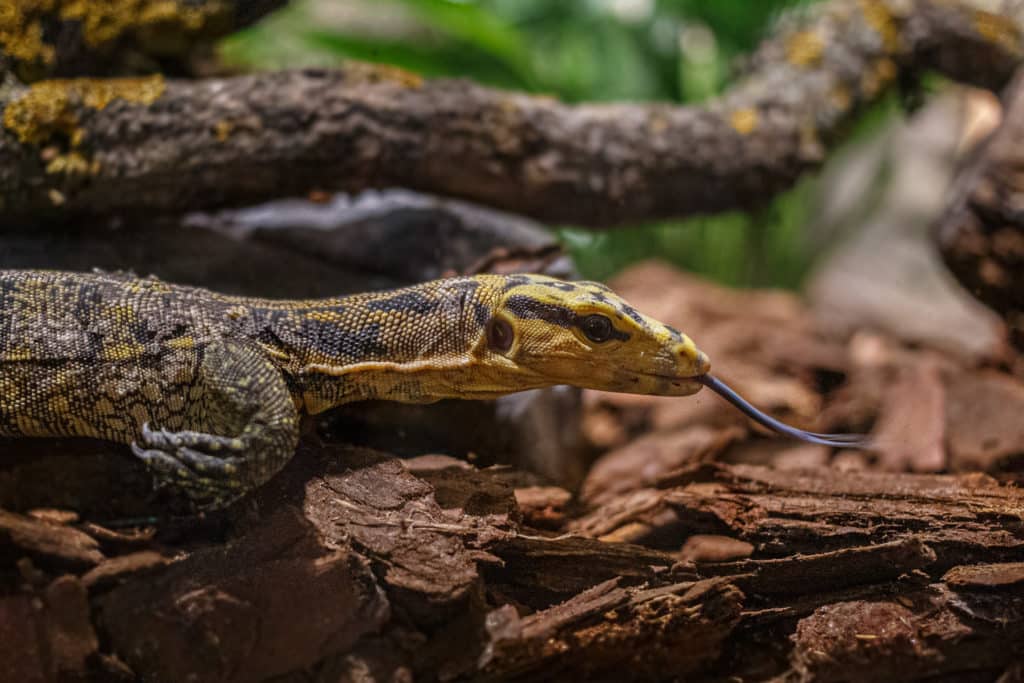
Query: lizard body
x,y
208,389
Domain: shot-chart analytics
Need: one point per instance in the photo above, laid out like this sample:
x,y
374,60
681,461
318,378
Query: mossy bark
x,y
217,142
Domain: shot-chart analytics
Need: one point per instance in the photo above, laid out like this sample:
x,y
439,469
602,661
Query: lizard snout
x,y
692,361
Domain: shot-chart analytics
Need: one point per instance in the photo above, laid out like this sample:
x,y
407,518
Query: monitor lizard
x,y
208,389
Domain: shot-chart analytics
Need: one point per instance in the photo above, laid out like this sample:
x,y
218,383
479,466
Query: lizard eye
x,y
499,334
597,328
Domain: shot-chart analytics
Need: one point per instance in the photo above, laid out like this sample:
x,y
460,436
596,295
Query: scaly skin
x,y
208,389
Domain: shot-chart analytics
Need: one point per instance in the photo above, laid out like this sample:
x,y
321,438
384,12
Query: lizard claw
x,y
160,438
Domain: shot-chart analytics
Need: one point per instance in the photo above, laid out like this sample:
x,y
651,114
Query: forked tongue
x,y
840,440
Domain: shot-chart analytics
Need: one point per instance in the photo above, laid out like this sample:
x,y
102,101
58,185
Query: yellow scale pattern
x,y
208,389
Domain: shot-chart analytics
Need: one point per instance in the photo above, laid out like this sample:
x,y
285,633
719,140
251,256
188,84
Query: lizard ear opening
x,y
499,334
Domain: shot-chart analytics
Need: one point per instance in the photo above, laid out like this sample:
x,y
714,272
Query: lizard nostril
x,y
692,360
701,363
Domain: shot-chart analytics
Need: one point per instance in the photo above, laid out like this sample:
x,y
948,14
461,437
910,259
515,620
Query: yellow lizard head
x,y
547,331
483,337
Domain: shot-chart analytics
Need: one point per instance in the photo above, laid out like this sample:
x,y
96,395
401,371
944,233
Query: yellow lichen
x,y
744,121
21,34
878,17
103,21
379,73
804,48
998,30
71,164
50,107
222,130
167,11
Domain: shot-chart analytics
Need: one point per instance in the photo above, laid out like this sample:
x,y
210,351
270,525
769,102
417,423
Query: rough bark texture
x,y
62,38
96,147
358,561
982,234
695,549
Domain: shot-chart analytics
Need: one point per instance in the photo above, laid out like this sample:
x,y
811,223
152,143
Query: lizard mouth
x,y
689,381
839,440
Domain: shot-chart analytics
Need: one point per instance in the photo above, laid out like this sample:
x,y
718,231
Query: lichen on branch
x,y
46,38
233,141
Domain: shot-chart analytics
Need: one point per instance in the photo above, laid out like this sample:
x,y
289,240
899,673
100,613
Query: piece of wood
x,y
981,235
355,563
88,147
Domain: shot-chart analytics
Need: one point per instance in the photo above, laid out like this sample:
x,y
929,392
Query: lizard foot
x,y
184,461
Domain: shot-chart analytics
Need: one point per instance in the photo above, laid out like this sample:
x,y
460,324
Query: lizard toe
x,y
163,465
209,481
159,438
168,456
209,465
168,440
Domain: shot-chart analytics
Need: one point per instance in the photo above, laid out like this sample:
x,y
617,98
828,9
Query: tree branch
x,y
76,38
981,235
88,147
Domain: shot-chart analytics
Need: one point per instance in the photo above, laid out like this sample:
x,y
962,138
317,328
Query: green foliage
x,y
764,248
592,50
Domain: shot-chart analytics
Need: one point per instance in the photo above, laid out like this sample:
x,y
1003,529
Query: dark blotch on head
x,y
528,308
560,286
634,315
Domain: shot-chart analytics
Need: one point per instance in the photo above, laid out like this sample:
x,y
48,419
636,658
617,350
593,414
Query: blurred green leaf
x,y
471,24
425,60
738,25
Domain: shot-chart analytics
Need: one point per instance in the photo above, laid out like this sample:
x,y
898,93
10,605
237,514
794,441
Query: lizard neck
x,y
415,345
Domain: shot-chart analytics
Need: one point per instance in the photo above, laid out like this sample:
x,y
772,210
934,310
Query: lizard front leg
x,y
240,428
